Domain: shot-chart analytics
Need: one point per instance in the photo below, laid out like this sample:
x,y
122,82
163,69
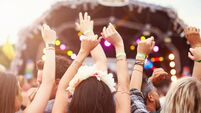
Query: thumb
x,y
77,25
191,56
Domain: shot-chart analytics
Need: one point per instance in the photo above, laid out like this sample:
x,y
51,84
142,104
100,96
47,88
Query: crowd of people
x,y
65,86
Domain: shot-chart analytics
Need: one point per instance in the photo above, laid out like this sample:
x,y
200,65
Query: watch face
x,y
114,3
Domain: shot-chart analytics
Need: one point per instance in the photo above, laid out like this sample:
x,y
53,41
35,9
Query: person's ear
x,y
151,97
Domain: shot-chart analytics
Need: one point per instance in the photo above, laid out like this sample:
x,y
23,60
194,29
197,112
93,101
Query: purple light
x,y
138,40
62,47
156,48
73,56
107,44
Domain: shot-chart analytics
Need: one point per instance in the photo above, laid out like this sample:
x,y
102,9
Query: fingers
x,y
85,16
112,27
104,32
192,50
81,17
191,56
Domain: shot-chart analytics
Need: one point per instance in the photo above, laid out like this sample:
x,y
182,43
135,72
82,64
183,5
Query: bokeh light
x,y
62,46
156,49
173,71
69,52
172,64
171,56
73,56
174,78
143,38
57,42
132,47
107,44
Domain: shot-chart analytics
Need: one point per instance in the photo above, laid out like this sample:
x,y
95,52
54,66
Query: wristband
x,y
50,45
120,55
198,61
49,48
140,56
139,62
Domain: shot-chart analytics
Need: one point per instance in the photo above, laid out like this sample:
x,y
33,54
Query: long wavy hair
x,y
9,89
184,96
92,96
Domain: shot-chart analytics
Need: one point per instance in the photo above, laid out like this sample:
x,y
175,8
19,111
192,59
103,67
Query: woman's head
x,y
92,96
184,96
9,94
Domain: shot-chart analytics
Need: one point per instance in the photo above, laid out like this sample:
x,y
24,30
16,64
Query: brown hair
x,y
92,96
62,65
8,92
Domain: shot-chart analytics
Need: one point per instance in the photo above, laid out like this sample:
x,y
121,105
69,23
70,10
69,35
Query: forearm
x,y
44,92
122,71
136,79
122,95
197,71
49,67
72,70
100,60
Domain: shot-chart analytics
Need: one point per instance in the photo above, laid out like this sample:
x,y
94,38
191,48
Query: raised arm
x,y
61,101
122,96
193,36
195,55
85,25
40,101
143,49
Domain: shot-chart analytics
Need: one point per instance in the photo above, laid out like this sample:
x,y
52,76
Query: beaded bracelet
x,y
139,62
50,45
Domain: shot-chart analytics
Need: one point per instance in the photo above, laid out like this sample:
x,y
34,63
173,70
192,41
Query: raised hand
x,y
49,35
157,72
195,54
193,36
111,35
89,43
146,46
85,24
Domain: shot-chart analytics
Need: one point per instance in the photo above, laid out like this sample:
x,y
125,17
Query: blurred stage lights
x,y
173,78
79,34
172,64
157,59
57,42
73,56
156,49
69,53
62,46
171,56
143,38
148,64
138,40
173,71
132,47
106,43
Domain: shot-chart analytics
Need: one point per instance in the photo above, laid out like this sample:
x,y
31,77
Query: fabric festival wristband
x,y
120,55
198,61
140,56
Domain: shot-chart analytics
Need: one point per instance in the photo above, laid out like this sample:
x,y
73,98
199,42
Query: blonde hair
x,y
184,96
